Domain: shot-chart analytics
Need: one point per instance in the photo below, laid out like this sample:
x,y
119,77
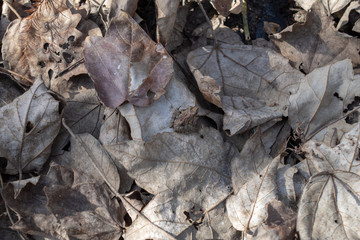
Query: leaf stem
x,y
245,21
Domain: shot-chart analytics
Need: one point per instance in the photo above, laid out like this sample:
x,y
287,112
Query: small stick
x,y
245,21
13,10
208,20
7,71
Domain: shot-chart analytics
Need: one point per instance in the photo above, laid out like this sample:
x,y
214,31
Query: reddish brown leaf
x,y
127,65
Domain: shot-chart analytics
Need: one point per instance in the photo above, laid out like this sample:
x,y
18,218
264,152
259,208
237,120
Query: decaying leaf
x,y
47,42
186,173
279,224
345,17
117,7
324,96
83,111
244,79
343,156
329,207
28,127
331,6
127,64
63,206
165,21
222,6
160,116
316,43
9,90
254,183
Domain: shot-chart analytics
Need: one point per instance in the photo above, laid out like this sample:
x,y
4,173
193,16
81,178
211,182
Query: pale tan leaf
x,y
28,127
244,71
329,207
165,20
323,97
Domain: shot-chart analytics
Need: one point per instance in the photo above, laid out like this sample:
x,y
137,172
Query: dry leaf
x,y
165,19
345,17
244,79
342,157
117,7
62,206
331,6
316,43
254,180
47,43
222,6
160,116
28,127
83,111
324,96
279,224
329,207
9,90
186,173
127,64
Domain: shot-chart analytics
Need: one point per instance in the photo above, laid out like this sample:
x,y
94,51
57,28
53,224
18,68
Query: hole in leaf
x,y
28,127
3,162
352,118
336,221
67,147
260,176
337,96
50,73
150,94
68,57
71,38
46,46
41,64
65,46
202,136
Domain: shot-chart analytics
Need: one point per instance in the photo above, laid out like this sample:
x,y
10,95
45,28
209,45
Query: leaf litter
x,y
110,136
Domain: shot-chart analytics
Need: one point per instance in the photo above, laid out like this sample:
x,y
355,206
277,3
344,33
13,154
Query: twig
x,y
7,71
245,21
208,20
92,157
13,9
70,68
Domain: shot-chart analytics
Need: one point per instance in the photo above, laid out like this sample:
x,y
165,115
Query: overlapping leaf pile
x,y
262,144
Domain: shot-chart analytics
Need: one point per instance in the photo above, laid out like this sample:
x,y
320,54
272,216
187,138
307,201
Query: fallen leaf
x,y
57,47
9,90
186,172
62,206
254,180
127,64
324,96
330,5
222,6
279,224
117,7
345,17
329,207
28,128
245,80
165,19
145,123
316,43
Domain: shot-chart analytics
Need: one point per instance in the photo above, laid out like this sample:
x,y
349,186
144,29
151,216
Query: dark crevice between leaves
x,y
352,117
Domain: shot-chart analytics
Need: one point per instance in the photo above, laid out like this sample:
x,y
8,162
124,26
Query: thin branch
x,y
13,9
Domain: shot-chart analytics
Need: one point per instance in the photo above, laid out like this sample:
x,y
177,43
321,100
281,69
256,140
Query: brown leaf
x,y
316,43
222,6
47,42
9,90
279,224
28,127
127,64
61,207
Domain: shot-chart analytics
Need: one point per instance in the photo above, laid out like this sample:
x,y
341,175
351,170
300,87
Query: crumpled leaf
x,y
145,123
127,64
329,207
324,96
345,17
279,224
47,42
222,6
28,127
165,19
331,6
254,180
343,156
83,111
63,206
316,43
186,173
229,75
